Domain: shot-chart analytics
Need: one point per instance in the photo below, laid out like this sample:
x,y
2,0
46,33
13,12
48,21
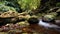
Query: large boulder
x,y
48,18
13,17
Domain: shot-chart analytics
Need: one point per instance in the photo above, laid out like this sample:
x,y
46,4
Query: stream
x,y
48,25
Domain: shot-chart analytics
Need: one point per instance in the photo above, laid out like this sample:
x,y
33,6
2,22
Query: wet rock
x,y
11,32
33,20
48,18
53,9
13,17
58,12
57,22
24,15
51,19
9,14
23,24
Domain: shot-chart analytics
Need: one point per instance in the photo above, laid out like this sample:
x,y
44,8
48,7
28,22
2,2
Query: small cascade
x,y
48,25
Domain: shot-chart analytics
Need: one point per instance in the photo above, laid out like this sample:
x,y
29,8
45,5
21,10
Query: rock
x,y
13,17
58,10
51,18
11,32
9,14
24,15
33,20
48,18
48,25
53,9
57,22
23,24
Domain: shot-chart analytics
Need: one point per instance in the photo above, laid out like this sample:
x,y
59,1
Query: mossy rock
x,y
33,20
49,17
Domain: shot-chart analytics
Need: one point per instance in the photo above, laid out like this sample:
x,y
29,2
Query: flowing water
x,y
48,25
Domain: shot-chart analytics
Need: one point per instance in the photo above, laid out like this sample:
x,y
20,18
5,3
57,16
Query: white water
x,y
47,25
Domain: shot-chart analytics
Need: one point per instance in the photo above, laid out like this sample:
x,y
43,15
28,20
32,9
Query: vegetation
x,y
28,11
58,4
29,4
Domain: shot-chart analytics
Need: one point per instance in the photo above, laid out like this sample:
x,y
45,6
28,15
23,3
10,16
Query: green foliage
x,y
58,4
9,5
4,8
25,5
29,4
